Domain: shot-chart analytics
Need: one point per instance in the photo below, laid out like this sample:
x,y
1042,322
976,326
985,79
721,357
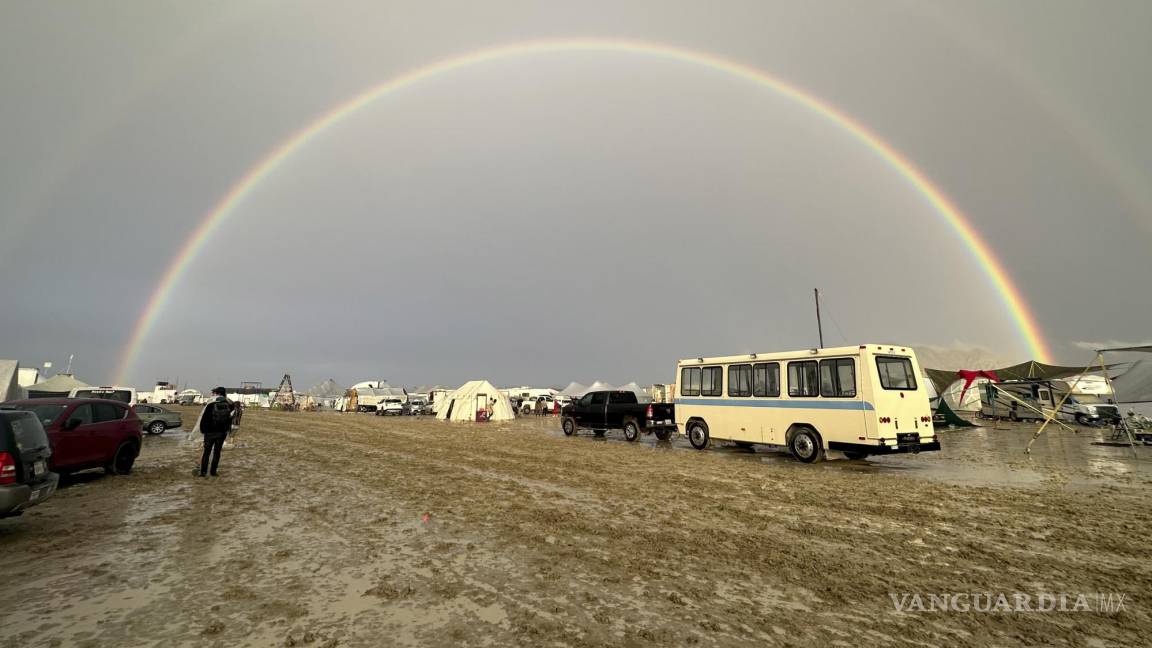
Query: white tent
x,y
56,386
964,401
642,394
28,376
464,403
10,388
575,390
599,386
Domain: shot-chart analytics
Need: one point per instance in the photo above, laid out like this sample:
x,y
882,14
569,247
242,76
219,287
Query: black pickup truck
x,y
601,411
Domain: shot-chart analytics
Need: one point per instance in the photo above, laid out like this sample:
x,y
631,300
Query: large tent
x,y
55,387
942,379
642,394
465,403
574,390
10,388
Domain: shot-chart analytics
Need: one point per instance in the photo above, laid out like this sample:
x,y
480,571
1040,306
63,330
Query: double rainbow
x,y
1009,294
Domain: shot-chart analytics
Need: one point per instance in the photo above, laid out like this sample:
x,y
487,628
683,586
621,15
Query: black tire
x,y
631,431
806,446
599,433
123,460
525,411
157,427
1082,419
1012,416
855,456
663,434
568,425
698,434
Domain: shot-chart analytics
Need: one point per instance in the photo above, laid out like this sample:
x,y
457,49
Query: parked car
x,y
390,407
155,419
25,479
619,410
419,408
87,432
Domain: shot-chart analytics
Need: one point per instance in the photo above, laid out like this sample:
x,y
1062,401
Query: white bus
x,y
861,401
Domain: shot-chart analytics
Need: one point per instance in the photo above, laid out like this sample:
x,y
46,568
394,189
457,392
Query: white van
x,y
861,401
122,394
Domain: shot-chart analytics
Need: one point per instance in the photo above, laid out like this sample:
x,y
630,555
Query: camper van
x,y
1035,400
122,394
860,400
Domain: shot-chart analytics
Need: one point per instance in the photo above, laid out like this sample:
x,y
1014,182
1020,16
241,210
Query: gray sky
x,y
573,216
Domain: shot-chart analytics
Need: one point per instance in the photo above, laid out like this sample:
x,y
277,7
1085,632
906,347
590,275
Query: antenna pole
x,y
819,326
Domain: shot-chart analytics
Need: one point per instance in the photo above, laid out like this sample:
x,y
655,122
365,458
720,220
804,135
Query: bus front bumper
x,y
894,448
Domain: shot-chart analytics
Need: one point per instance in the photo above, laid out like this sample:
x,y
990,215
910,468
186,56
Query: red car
x,y
87,432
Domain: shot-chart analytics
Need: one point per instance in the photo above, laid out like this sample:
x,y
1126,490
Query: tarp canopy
x,y
326,389
58,385
942,378
1134,385
10,388
465,402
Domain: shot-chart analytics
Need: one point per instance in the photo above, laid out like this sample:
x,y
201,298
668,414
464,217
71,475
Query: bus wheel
x,y
698,434
663,434
805,446
855,456
569,426
631,430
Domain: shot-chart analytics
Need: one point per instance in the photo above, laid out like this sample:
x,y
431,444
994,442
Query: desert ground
x,y
352,530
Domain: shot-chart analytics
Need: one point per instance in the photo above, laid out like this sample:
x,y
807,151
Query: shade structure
x,y
56,386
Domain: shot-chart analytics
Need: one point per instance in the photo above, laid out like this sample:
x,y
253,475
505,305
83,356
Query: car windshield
x,y
46,413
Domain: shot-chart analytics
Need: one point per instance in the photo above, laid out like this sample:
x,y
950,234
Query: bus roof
x,y
894,349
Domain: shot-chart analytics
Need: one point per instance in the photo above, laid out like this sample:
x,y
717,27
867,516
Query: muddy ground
x,y
352,530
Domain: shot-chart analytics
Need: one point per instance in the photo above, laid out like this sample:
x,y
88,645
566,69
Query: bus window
x,y
802,379
896,373
712,381
766,379
690,381
740,380
838,378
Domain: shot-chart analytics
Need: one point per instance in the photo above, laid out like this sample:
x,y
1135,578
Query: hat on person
x,y
219,390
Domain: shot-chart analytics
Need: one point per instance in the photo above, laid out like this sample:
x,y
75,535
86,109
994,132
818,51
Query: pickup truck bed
x,y
618,410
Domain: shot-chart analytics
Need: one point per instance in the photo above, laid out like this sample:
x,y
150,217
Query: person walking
x,y
215,423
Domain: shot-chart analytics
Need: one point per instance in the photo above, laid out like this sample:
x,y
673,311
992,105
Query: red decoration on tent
x,y
970,375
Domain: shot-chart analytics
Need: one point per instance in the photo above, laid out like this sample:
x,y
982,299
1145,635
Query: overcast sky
x,y
571,216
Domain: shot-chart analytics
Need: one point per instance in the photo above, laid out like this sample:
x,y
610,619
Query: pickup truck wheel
x,y
806,446
631,431
157,427
569,426
698,434
663,434
123,460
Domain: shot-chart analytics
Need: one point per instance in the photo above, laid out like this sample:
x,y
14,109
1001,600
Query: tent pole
x,y
1056,411
1030,407
1123,423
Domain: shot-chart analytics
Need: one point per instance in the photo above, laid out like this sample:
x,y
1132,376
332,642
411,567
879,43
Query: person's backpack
x,y
221,415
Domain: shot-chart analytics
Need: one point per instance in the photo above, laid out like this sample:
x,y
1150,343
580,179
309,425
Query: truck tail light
x,y
7,469
648,412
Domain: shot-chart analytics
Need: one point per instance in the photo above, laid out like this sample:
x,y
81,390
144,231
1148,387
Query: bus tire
x,y
631,430
698,434
663,434
806,446
568,425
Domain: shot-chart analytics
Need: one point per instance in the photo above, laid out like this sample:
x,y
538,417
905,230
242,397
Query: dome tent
x,y
465,402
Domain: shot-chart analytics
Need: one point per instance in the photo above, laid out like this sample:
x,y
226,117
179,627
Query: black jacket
x,y
217,416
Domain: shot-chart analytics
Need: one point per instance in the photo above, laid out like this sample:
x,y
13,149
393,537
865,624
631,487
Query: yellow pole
x,y
1056,411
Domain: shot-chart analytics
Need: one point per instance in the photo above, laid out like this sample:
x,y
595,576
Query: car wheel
x,y
123,460
663,434
698,434
631,431
806,446
569,426
157,427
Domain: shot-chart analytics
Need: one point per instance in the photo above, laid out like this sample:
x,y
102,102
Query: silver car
x,y
156,419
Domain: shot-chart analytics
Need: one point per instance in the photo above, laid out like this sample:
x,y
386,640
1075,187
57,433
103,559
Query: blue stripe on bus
x,y
785,404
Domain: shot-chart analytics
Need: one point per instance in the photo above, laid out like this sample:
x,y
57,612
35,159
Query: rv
x,y
1035,400
861,400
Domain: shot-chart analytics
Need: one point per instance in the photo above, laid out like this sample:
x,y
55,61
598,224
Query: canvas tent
x,y
464,403
642,394
10,388
56,387
573,390
599,386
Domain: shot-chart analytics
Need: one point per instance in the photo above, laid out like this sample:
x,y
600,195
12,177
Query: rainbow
x,y
1018,309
